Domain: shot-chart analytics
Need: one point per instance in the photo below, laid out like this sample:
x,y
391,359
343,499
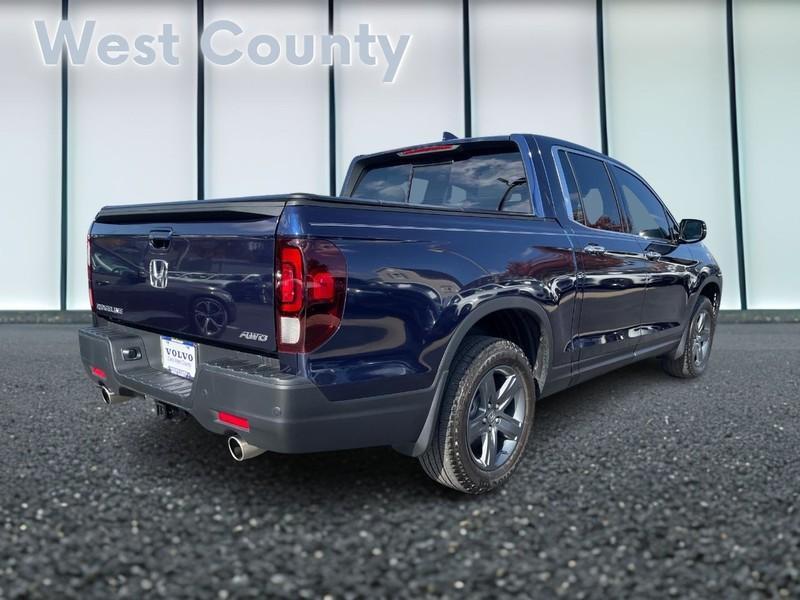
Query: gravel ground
x,y
636,485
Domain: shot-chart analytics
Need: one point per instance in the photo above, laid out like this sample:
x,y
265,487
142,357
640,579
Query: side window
x,y
600,208
574,205
647,215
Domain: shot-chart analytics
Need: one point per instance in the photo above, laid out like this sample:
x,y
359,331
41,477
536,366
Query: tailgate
x,y
196,270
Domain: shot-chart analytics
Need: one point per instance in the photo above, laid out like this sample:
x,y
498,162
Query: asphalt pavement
x,y
635,485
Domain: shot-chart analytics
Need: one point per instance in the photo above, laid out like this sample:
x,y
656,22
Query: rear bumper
x,y
286,413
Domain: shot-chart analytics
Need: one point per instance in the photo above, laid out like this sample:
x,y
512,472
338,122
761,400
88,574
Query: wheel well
x,y
521,327
712,292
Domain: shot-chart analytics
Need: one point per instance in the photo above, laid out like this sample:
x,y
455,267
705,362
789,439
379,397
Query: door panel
x,y
666,304
612,268
613,285
669,264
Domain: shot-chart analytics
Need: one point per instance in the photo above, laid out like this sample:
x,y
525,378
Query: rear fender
x,y
543,359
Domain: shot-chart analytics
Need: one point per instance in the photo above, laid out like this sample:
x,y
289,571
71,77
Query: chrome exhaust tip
x,y
110,397
241,450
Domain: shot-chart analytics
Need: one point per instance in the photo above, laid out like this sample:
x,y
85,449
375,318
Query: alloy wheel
x,y
496,417
701,339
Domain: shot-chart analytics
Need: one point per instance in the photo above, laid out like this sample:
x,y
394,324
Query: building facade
x,y
700,97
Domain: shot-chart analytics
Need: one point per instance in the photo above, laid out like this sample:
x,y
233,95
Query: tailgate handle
x,y
160,238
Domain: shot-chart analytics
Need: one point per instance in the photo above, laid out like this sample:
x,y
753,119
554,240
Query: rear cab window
x,y
486,176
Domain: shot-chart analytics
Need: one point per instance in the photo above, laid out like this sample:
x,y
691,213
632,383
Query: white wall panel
x,y
427,96
768,92
132,128
30,167
534,63
267,126
669,112
534,68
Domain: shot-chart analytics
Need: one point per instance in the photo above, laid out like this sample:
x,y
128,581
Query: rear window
x,y
483,179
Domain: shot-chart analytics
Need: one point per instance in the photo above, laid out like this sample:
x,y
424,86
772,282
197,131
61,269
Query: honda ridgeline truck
x,y
427,308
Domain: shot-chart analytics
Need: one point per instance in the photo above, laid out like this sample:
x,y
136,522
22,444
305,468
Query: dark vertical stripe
x,y
467,72
64,161
201,106
737,191
601,77
331,112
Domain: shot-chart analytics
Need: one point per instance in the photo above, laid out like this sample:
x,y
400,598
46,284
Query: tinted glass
x,y
647,216
517,199
387,184
600,208
489,182
574,201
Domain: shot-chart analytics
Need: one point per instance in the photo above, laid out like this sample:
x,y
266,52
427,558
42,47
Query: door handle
x,y
594,249
652,255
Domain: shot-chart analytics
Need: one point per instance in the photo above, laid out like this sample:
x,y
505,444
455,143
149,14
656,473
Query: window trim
x,y
609,161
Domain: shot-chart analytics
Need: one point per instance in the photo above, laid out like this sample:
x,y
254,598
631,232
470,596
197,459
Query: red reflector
x,y
322,287
428,149
98,372
230,419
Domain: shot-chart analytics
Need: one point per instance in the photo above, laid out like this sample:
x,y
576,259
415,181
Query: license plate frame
x,y
179,357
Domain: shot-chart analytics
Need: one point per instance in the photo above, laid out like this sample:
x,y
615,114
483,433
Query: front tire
x,y
485,417
692,362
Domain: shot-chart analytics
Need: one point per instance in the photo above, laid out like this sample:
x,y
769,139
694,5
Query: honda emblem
x,y
159,273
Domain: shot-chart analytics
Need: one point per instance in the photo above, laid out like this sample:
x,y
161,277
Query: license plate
x,y
178,357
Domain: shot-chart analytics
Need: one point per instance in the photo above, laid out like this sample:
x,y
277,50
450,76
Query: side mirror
x,y
692,230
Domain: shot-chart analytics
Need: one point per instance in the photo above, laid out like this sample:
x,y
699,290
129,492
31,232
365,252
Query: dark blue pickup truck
x,y
427,308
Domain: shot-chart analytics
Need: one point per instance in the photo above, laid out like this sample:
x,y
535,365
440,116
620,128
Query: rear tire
x,y
692,362
485,417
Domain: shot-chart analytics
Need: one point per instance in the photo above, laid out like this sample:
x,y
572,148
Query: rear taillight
x,y
310,288
290,281
89,270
